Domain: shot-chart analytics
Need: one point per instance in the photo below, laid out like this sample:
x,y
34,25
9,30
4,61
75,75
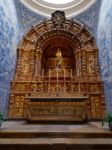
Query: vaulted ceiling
x,y
70,7
28,17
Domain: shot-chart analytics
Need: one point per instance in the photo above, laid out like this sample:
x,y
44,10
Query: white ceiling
x,y
47,7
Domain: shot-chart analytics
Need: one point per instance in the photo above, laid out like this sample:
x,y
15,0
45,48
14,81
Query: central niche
x,y
58,52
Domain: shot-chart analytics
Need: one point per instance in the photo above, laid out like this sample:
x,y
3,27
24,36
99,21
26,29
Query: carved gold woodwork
x,y
96,106
56,110
36,72
17,105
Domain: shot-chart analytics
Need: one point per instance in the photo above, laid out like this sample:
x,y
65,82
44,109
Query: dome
x,y
47,7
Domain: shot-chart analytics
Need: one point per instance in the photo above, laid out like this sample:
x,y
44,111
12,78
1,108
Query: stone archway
x,y
77,44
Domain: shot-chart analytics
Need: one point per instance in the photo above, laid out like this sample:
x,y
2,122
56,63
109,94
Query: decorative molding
x,y
71,9
27,18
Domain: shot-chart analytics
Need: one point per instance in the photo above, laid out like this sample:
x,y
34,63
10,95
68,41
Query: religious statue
x,y
58,59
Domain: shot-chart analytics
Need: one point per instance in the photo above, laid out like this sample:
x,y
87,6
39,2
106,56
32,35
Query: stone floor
x,y
94,143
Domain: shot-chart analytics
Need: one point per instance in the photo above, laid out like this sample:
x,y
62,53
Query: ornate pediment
x,y
58,18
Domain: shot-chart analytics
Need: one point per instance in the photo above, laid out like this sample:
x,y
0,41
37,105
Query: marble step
x,y
55,144
22,134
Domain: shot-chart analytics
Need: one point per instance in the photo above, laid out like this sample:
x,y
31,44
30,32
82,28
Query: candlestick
x,y
64,81
78,72
71,82
64,74
79,87
42,87
71,73
49,73
42,73
49,80
57,82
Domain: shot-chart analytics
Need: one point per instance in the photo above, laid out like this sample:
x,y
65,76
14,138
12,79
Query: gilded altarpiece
x,y
57,58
